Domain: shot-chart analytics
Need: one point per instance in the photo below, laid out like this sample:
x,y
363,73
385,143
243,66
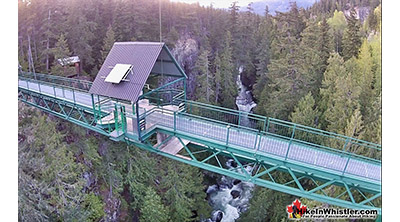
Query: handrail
x,y
218,121
226,109
258,133
257,136
339,136
52,79
283,128
53,84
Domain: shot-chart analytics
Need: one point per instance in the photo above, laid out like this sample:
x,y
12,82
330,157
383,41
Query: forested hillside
x,y
319,67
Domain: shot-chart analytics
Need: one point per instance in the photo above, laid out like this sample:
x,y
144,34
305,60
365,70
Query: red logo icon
x,y
296,210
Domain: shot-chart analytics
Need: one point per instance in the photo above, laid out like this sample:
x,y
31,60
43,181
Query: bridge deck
x,y
267,145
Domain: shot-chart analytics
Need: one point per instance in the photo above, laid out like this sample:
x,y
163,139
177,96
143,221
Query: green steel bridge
x,y
307,155
276,154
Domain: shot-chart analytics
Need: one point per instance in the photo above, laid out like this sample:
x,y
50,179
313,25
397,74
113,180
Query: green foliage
x,y
218,78
263,56
141,168
183,193
228,73
81,33
205,80
61,51
352,37
287,56
50,181
172,38
334,70
378,16
287,83
274,209
315,47
337,24
94,206
344,100
108,42
305,112
355,125
153,210
121,22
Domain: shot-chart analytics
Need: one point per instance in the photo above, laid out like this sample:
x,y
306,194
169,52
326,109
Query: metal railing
x,y
54,89
286,140
58,80
282,139
234,117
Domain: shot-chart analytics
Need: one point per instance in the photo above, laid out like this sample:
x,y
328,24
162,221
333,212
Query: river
x,y
230,197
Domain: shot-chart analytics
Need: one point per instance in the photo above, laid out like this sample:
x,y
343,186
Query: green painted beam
x,y
260,182
321,173
78,114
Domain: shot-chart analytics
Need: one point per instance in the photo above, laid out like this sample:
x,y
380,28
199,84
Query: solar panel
x,y
118,73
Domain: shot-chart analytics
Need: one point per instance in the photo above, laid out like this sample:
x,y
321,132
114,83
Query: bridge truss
x,y
70,100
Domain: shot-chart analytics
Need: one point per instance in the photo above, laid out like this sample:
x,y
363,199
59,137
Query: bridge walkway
x,y
334,161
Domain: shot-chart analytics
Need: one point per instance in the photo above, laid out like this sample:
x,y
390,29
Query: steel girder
x,y
75,113
275,174
280,176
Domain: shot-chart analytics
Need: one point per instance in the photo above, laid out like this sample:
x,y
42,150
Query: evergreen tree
x,y
245,51
153,210
352,37
376,53
178,203
305,112
140,173
344,100
373,104
355,129
337,24
315,48
205,81
218,79
365,78
287,83
355,125
378,15
325,45
234,31
172,38
61,53
263,55
122,22
94,206
266,36
334,70
372,21
234,17
261,210
50,180
81,33
108,43
184,193
51,28
196,193
228,74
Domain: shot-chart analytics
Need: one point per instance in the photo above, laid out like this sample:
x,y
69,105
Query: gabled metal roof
x,y
141,55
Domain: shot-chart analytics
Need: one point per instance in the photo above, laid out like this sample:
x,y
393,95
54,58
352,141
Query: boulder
x,y
235,194
236,182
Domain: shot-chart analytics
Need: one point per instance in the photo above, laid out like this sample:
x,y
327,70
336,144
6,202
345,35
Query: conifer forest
x,y
318,66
